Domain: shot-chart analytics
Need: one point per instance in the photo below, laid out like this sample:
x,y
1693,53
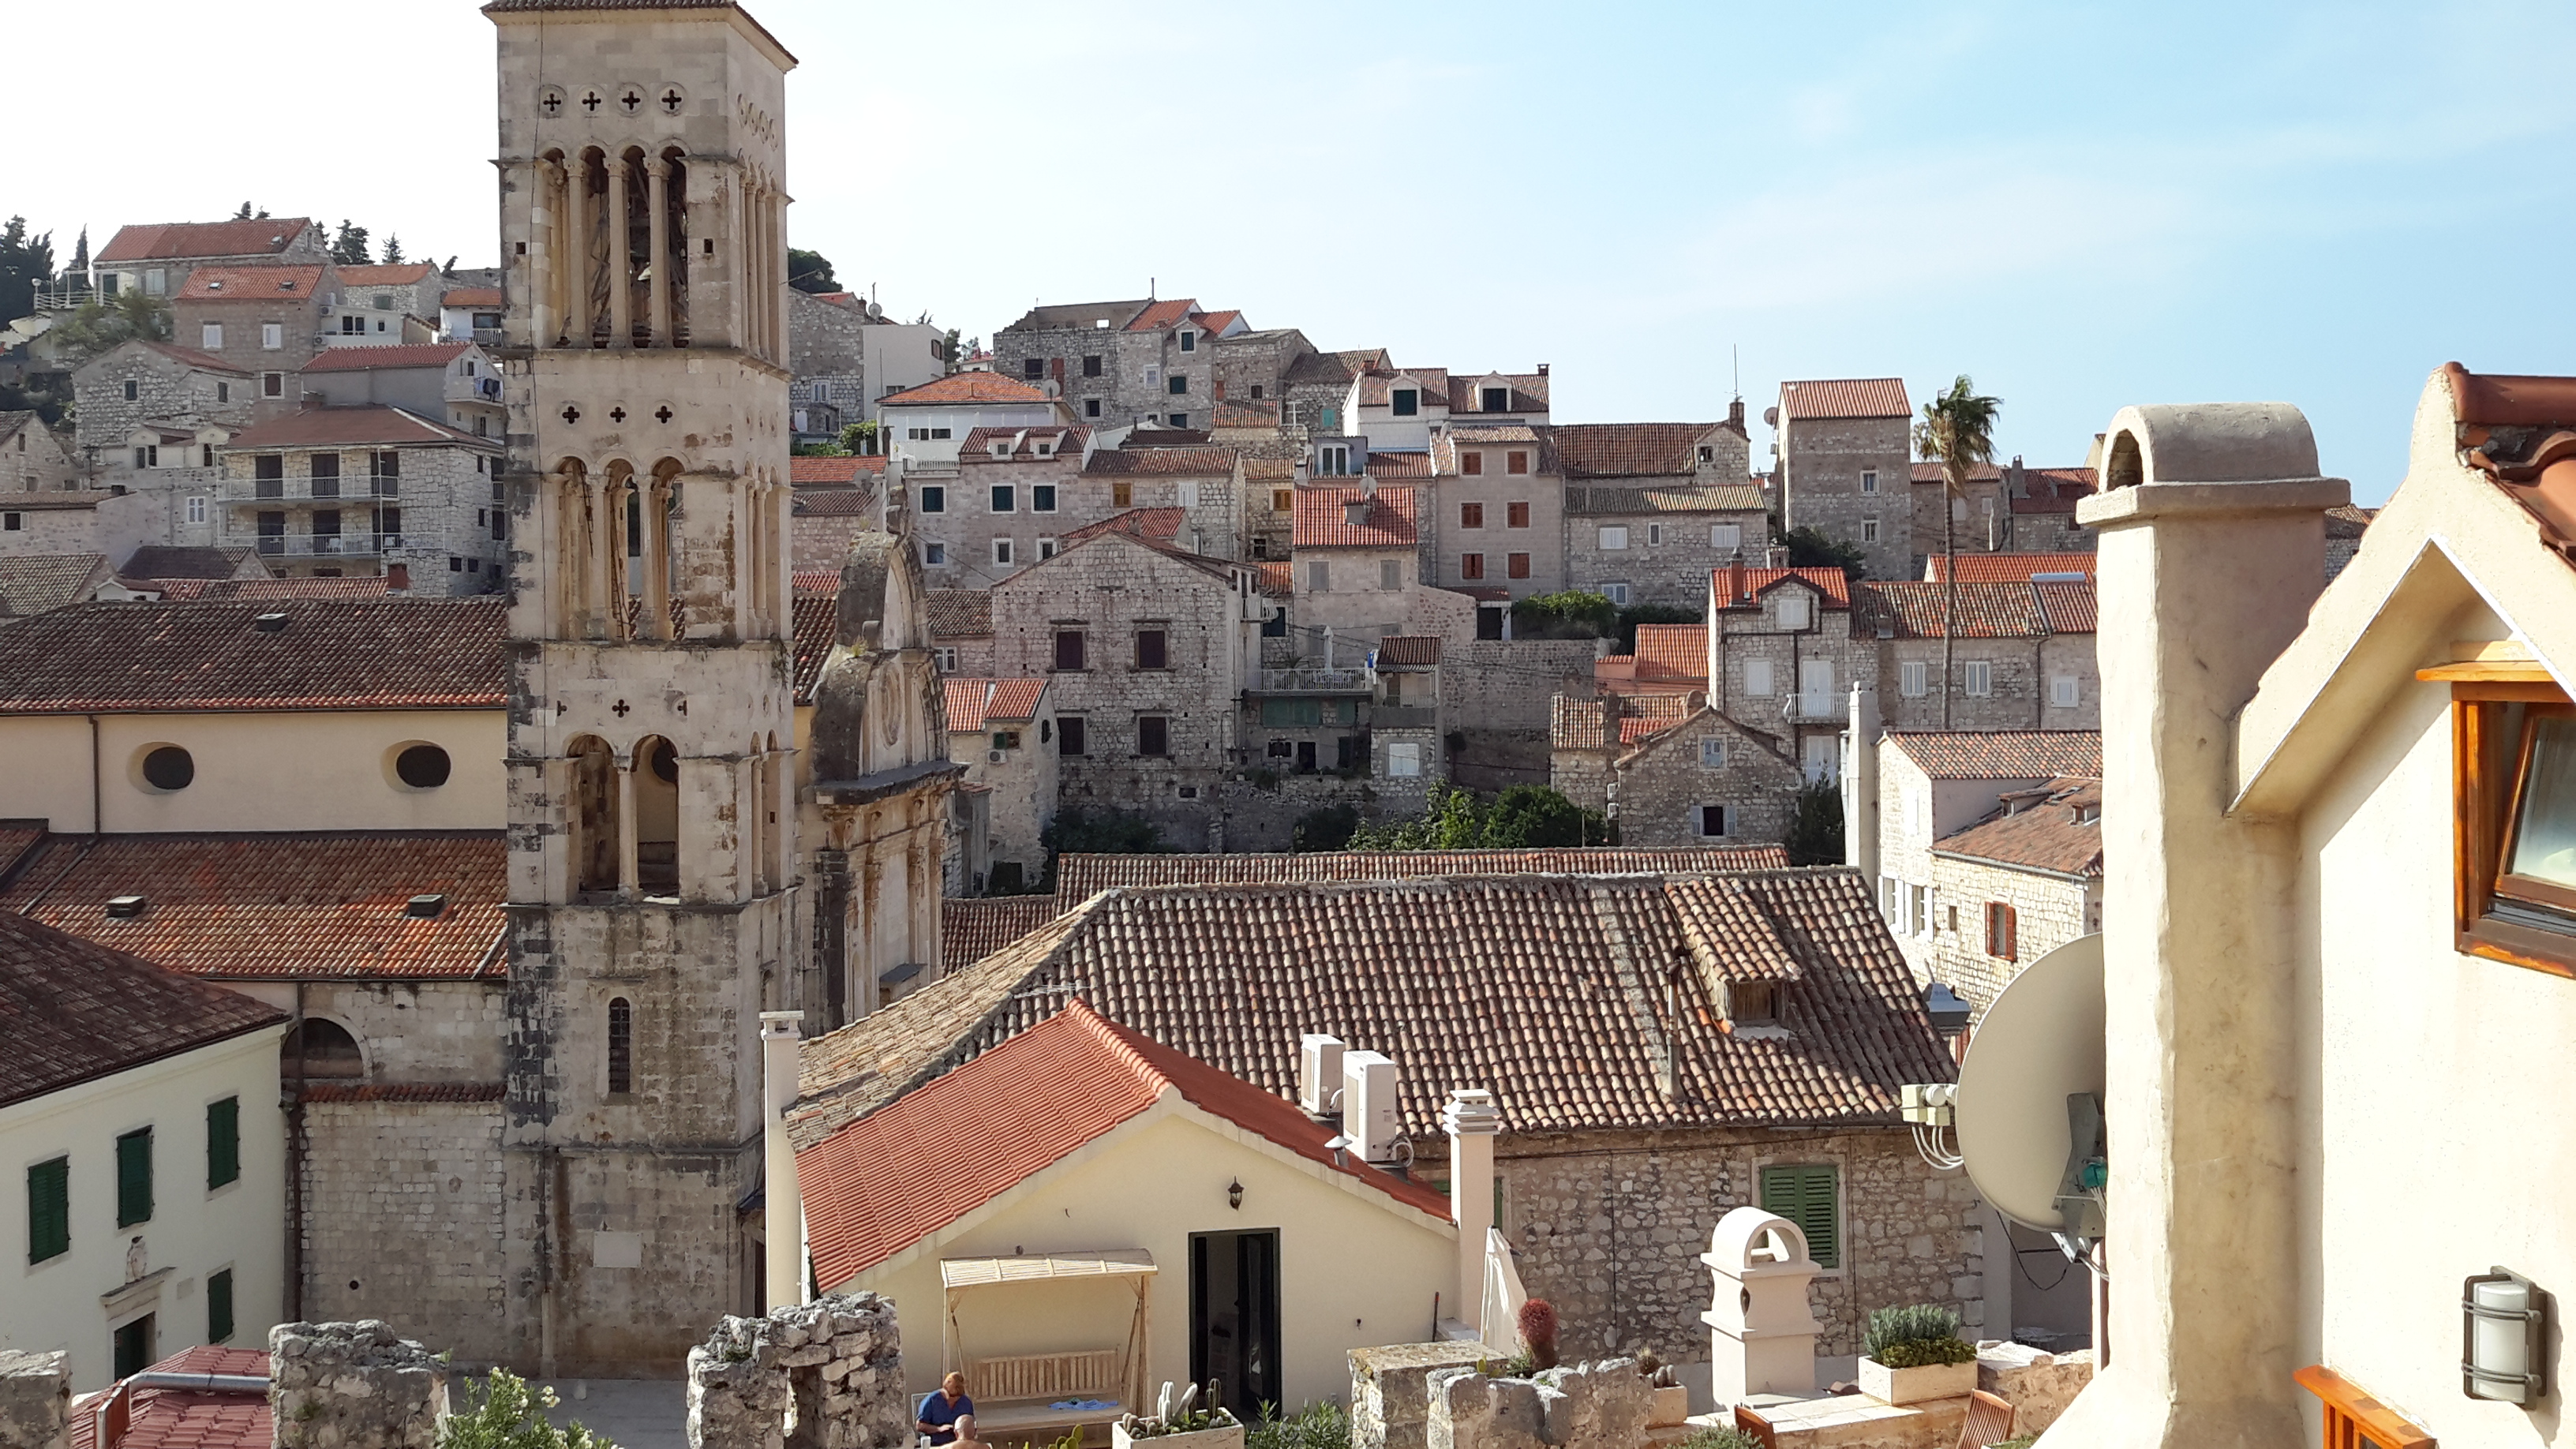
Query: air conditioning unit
x,y
1368,1107
992,757
1319,1073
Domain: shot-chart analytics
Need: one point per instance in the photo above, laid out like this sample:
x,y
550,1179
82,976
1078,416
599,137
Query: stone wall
x,y
1669,555
1494,539
165,390
2049,911
449,525
2019,696
353,1386
35,1400
833,1367
1601,1405
403,1215
966,526
1505,684
1663,782
1391,1390
1822,466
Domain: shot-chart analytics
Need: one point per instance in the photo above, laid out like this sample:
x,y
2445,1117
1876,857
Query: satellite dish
x,y
2041,1043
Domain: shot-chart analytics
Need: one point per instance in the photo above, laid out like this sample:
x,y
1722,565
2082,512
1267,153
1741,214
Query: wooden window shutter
x,y
223,1142
1804,1194
2012,934
134,1178
49,1209
219,1305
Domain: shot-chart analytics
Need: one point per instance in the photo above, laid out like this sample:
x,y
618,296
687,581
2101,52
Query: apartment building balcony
x,y
321,545
301,490
1309,680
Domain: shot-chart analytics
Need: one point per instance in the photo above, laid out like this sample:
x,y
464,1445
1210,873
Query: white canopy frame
x,y
960,1276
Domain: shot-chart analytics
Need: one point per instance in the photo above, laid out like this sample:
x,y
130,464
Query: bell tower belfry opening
x,y
643,240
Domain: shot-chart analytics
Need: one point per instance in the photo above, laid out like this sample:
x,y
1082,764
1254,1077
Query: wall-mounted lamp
x,y
1948,1012
2504,1337
1234,1194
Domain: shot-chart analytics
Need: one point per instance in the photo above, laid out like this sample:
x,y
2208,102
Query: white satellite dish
x,y
2041,1043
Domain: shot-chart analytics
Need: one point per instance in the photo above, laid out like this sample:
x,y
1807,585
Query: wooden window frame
x,y
1516,514
2489,774
2352,1416
1471,515
1471,565
2003,931
1471,463
1516,565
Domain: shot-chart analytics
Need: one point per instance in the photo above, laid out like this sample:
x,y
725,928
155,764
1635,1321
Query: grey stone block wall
x,y
835,1366
353,1386
404,1216
35,1400
1822,465
1600,1405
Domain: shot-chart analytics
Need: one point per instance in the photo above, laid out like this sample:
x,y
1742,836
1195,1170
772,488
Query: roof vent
x,y
426,908
272,623
125,908
2069,577
1355,512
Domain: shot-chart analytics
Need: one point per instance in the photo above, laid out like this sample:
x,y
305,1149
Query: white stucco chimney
x,y
785,1210
1368,1105
1472,1124
2212,549
1860,787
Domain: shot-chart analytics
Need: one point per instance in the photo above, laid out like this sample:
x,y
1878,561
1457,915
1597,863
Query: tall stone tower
x,y
643,238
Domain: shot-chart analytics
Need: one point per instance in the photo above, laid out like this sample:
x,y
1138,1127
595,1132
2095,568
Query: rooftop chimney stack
x,y
1735,414
779,1039
1473,1124
1860,787
1735,579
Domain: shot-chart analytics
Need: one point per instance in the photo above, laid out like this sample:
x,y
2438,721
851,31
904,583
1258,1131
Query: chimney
x,y
1319,1074
2211,553
1860,787
1735,579
1368,1105
1473,1124
784,1200
1735,414
397,578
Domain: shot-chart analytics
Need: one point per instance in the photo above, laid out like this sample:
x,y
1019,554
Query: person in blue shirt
x,y
948,1416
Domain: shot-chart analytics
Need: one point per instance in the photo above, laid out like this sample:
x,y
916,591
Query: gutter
x,y
201,1383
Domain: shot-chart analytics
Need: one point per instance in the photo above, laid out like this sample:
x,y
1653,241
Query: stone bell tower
x,y
643,240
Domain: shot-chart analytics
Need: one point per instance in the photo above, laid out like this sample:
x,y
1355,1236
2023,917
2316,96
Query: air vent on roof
x,y
125,908
425,908
2059,578
269,623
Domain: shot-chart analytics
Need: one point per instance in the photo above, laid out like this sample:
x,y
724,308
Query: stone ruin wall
x,y
820,1375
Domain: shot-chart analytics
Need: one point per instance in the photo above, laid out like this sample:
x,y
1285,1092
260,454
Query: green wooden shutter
x,y
134,1178
223,1142
1804,1194
49,1209
219,1306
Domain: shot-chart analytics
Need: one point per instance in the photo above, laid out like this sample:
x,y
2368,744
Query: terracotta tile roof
x,y
389,653
807,582
281,906
1336,367
34,583
961,614
326,1093
965,387
2347,521
255,589
384,274
1408,651
410,354
189,1418
2070,608
815,616
1515,433
1321,520
191,357
81,501
1058,440
2002,754
1861,397
73,1011
2520,432
1160,524
1577,724
163,561
829,502
188,239
1015,1110
1169,312
1978,568
251,284
1628,450
1135,459
384,427
1269,470
1833,583
972,928
1528,389
805,472
471,297
1376,385
2052,490
1232,414
1725,498
1400,465
973,703
1676,652
2056,828
17,837
1274,580
1079,876
1217,322
1916,610
1932,473
1532,986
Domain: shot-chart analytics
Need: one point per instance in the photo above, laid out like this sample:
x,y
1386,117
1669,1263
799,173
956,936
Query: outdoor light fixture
x,y
1949,1014
2504,1337
1234,1194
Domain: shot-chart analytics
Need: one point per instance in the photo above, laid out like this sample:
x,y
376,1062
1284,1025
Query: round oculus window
x,y
169,768
422,767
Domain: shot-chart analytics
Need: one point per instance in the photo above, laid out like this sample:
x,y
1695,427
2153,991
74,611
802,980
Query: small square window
x,y
1471,565
945,656
1614,538
1708,821
934,498
197,509
1282,500
1091,407
1091,365
1041,498
1178,385
1390,574
1869,480
1726,536
1516,461
272,336
1616,593
1005,498
1516,565
1913,679
934,554
1032,368
1516,515
210,337
1002,552
130,389
1122,495
1712,754
1069,649
1072,735
1180,420
1471,515
1046,547
2065,691
1153,734
1153,649
1869,530
1404,402
1654,534
1977,678
1471,463
1189,341
272,384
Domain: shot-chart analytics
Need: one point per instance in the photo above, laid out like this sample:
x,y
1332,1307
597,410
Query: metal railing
x,y
327,545
1310,680
360,489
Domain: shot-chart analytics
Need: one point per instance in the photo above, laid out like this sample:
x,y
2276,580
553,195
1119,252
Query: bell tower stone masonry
x,y
651,735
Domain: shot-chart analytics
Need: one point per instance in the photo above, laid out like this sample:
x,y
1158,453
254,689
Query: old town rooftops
x,y
252,284
974,703
1860,397
1349,517
191,1418
966,387
2002,754
408,354
2055,828
73,1010
187,240
1079,875
136,658
1516,983
354,427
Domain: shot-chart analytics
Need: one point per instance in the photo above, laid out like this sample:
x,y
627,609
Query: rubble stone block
x,y
354,1386
837,1362
35,1400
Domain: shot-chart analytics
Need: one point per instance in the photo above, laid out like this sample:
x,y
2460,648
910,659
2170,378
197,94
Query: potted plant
x,y
1181,1422
1671,1402
1916,1354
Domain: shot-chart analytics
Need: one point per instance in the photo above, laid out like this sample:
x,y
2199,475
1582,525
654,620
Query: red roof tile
x,y
815,616
1833,583
1932,473
247,589
1011,1113
1167,313
1274,580
1161,524
960,614
1865,397
1078,877
409,354
815,581
191,357
973,703
1322,520
1433,382
2002,754
965,387
1975,568
2070,608
471,297
1528,392
326,1093
1135,459
2052,490
252,284
389,653
1916,610
384,274
308,904
972,928
1217,322
72,1010
1408,651
1672,652
831,502
1028,443
183,240
386,427
2056,828
189,1418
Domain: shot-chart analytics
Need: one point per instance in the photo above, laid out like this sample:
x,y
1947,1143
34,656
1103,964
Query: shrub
x,y
1721,1439
1319,1425
1816,835
1567,614
507,1414
1913,1337
1326,827
1538,1330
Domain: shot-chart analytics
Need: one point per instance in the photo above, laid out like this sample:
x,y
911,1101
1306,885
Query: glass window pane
x,y
2544,840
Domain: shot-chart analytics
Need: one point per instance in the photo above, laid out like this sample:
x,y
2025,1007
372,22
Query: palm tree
x,y
1957,431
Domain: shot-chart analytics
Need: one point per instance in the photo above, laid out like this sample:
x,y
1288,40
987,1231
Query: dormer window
x,y
1333,460
1753,1003
1495,400
1707,454
1189,340
1404,402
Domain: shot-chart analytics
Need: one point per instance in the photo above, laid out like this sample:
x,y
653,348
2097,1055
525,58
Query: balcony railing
x,y
487,336
300,490
1308,680
327,545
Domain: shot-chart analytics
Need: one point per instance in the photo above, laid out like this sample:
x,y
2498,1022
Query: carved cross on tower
x,y
617,415
630,100
671,100
571,414
553,103
590,102
662,414
621,709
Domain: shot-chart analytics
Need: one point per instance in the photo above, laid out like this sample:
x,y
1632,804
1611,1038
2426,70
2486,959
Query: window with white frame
x,y
933,498
1869,480
945,656
1041,498
1006,498
934,554
210,337
1712,754
1333,460
1977,678
1153,377
1793,609
1913,679
1046,546
1189,340
1869,530
1757,678
272,336
1616,593
1613,537
1708,822
2065,691
197,508
1654,534
1404,762
1187,490
1726,536
1002,551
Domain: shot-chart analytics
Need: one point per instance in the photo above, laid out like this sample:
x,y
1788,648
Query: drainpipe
x,y
295,1151
785,1213
1473,1124
97,824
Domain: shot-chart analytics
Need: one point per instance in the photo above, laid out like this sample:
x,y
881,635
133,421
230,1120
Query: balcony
x,y
487,336
300,490
1306,680
326,545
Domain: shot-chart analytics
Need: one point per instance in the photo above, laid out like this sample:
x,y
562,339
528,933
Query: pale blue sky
x,y
2081,206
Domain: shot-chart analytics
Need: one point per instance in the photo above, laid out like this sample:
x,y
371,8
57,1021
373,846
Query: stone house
x,y
34,458
1980,522
139,1104
2026,880
1004,732
927,425
147,416
1205,483
265,320
1760,1064
470,314
1679,774
1496,510
388,304
1253,366
1269,505
825,521
846,356
1146,648
1116,364
1843,462
1782,647
961,631
157,259
1659,545
1397,408
456,383
2042,503
1356,565
339,491
1319,386
2022,656
1012,499
112,525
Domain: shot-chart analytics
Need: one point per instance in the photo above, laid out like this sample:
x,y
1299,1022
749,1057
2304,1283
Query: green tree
x,y
393,250
1534,817
96,326
1327,827
1524,817
1957,431
349,245
246,214
1811,549
1816,835
860,437
952,352
26,263
1636,614
507,1414
1566,614
810,272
